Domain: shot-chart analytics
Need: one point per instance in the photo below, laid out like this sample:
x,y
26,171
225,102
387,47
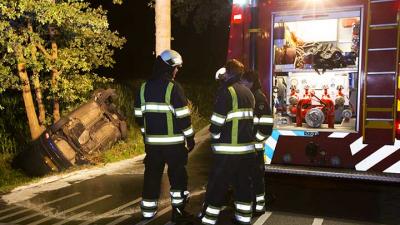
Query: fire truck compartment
x,y
315,73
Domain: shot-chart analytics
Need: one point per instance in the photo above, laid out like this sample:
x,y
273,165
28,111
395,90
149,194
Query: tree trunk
x,y
38,89
54,72
54,76
163,25
34,126
39,98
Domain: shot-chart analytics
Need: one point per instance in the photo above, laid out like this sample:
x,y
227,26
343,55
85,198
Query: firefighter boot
x,y
182,217
179,214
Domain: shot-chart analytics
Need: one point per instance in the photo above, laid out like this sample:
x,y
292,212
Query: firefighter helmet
x,y
172,58
220,74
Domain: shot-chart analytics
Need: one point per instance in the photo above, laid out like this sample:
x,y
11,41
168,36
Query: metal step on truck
x,y
330,71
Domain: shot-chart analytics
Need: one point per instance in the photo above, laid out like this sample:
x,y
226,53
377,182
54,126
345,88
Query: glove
x,y
190,143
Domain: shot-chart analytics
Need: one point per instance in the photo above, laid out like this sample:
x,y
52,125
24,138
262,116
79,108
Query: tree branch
x,y
44,51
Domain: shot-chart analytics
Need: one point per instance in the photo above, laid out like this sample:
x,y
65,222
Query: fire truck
x,y
330,71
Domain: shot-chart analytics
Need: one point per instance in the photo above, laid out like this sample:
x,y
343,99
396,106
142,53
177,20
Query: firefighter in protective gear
x,y
232,143
161,110
263,124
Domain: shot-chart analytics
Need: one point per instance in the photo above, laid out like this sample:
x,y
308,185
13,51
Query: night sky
x,y
203,53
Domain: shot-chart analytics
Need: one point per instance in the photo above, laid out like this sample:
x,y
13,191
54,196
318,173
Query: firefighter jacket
x,y
162,112
263,121
232,121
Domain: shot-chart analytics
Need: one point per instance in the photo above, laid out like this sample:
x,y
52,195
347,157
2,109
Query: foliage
x,y
201,14
14,132
82,35
10,178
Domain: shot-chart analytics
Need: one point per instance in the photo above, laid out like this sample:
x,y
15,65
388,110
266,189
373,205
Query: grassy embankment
x,y
13,130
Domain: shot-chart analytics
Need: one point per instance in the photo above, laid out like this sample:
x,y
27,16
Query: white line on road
x,y
9,209
39,206
119,220
318,221
158,215
62,198
70,210
46,211
261,220
74,217
119,208
13,214
30,216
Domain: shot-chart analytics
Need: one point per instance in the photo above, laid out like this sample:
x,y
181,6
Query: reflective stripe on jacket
x,y
263,120
162,112
232,121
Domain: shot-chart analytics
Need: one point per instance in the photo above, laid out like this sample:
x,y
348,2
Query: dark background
x,y
203,53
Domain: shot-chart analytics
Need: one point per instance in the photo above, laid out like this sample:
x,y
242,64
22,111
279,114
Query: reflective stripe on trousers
x,y
243,212
211,215
178,197
149,208
260,203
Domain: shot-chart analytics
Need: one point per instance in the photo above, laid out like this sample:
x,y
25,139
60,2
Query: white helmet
x,y
172,58
220,74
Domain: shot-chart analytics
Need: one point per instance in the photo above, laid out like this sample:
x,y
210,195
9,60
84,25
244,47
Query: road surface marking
x,y
39,206
318,221
261,220
9,209
30,216
13,214
159,214
111,211
76,216
70,210
119,220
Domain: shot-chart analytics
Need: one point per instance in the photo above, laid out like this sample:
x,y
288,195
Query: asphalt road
x,y
291,200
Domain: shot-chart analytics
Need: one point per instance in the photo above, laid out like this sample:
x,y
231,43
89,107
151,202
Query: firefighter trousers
x,y
258,182
175,156
226,170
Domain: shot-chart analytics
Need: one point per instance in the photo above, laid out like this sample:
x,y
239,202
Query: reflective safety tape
x,y
156,107
259,146
256,120
148,214
175,194
218,119
182,112
243,219
213,211
164,139
246,114
243,207
260,207
138,112
260,198
266,120
149,204
177,201
233,149
215,136
206,220
260,136
188,132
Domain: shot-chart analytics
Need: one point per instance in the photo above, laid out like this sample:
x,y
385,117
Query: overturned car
x,y
77,137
